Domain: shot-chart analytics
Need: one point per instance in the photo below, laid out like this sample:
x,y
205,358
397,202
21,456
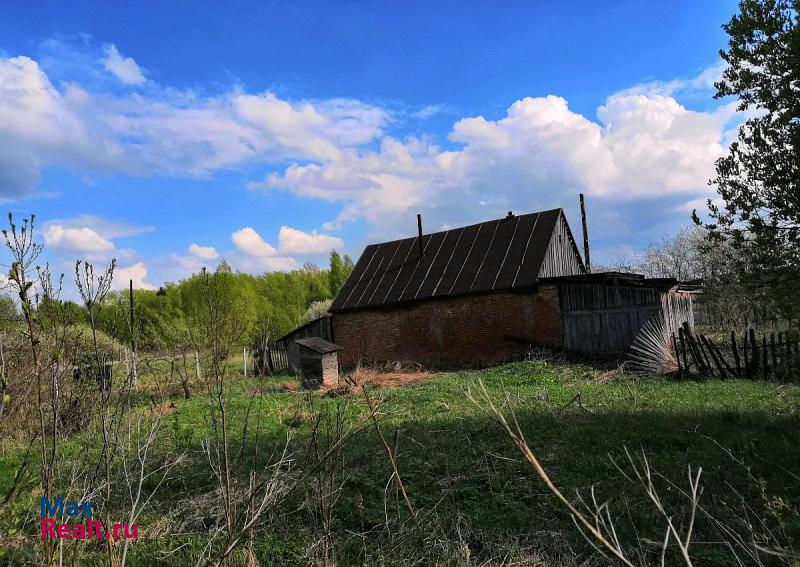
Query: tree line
x,y
270,304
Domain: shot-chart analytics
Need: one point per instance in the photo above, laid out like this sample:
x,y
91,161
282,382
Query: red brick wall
x,y
450,332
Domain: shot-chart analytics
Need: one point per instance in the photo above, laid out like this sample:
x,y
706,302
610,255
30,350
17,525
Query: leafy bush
x,y
317,309
80,341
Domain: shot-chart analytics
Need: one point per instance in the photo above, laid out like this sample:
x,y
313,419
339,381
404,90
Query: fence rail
x,y
746,354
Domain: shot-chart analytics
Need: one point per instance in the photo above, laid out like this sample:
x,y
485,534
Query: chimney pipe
x,y
419,229
586,259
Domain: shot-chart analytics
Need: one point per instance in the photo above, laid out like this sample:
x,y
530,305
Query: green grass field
x,y
464,475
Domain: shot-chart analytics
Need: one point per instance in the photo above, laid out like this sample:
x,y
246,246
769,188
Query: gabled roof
x,y
496,255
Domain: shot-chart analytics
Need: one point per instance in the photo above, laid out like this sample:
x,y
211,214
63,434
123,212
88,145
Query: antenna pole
x,y
419,229
586,259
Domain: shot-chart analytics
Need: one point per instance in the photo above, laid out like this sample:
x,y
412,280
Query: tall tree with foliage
x,y
759,179
339,272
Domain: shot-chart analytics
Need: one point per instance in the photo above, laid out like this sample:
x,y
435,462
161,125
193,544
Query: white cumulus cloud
x,y
250,242
255,255
163,132
123,68
539,155
75,239
136,272
109,229
203,252
293,241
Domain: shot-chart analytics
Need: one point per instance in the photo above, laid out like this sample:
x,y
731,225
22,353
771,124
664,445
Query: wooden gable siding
x,y
677,308
562,257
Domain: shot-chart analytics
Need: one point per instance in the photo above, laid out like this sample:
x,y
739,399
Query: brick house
x,y
487,293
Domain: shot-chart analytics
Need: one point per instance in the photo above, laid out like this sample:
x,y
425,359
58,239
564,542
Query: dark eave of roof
x,y
317,344
300,328
625,279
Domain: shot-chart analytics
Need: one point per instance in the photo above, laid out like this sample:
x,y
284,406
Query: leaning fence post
x,y
703,351
715,355
698,346
197,365
677,355
691,350
722,358
683,350
244,359
735,351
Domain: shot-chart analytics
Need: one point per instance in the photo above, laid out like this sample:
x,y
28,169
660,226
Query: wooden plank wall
x,y
561,258
601,319
677,308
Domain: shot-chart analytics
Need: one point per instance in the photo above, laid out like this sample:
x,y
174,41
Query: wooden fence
x,y
279,361
746,354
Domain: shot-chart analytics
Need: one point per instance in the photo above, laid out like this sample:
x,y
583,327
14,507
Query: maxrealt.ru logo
x,y
87,528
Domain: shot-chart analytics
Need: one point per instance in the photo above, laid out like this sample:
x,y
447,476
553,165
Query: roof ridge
x,y
425,234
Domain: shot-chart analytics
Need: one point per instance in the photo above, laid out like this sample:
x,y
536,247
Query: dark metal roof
x,y
496,255
310,328
626,279
317,345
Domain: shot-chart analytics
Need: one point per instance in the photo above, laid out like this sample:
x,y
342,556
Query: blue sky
x,y
172,135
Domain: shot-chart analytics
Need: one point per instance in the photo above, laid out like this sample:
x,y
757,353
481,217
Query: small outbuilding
x,y
319,362
318,328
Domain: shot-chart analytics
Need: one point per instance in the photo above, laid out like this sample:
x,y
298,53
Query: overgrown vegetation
x,y
332,498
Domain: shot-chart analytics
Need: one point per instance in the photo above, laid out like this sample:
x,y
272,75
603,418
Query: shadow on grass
x,y
466,466
456,462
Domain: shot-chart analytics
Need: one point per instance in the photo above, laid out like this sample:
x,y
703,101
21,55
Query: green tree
x,y
8,312
335,274
233,292
348,266
759,179
339,271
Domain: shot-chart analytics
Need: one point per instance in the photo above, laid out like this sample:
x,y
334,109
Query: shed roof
x,y
628,279
496,255
317,345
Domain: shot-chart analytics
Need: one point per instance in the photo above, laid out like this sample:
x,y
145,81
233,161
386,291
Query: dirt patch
x,y
390,379
162,409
